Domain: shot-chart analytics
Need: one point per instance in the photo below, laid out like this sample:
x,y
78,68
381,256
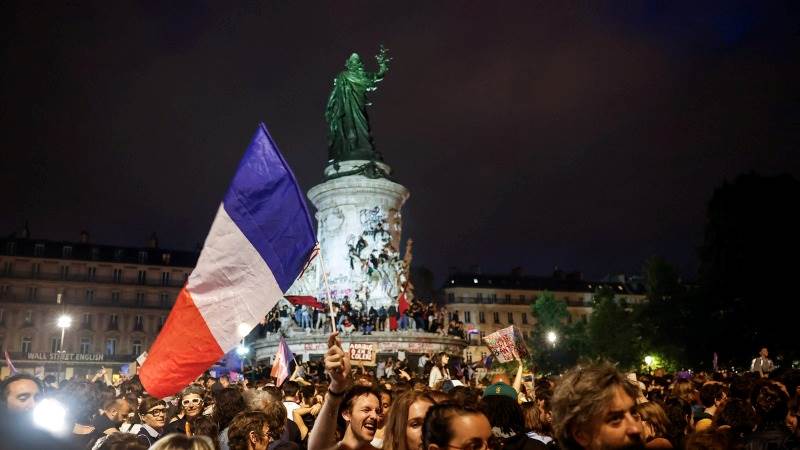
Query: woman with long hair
x,y
439,372
655,424
403,429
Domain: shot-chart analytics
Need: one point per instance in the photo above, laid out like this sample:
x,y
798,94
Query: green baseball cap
x,y
500,389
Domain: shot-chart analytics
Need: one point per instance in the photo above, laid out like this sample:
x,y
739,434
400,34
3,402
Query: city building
x,y
108,302
487,303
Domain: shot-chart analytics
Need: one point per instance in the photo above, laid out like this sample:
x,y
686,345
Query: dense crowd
x,y
356,317
590,407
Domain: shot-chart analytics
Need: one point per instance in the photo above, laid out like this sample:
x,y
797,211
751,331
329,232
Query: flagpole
x,y
327,290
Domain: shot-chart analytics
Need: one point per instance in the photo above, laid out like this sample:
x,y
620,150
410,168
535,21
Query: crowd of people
x,y
355,317
342,406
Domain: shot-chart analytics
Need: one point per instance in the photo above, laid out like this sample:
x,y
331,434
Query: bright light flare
x,y
64,321
242,350
648,360
243,329
552,337
50,415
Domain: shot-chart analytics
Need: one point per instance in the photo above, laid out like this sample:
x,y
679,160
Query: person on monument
x,y
349,135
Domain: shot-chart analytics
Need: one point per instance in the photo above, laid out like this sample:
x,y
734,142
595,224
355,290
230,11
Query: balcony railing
x,y
511,301
84,278
42,300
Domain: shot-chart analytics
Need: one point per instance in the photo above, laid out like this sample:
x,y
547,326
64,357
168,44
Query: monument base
x,y
312,346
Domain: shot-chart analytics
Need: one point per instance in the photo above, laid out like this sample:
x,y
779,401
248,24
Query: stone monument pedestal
x,y
359,227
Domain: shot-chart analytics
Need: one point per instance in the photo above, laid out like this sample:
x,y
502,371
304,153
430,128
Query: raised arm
x,y
337,365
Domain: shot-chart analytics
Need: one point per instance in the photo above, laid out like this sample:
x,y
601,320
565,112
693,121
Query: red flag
x,y
402,303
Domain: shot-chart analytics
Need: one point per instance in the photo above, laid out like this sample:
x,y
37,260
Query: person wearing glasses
x,y
449,426
153,413
191,407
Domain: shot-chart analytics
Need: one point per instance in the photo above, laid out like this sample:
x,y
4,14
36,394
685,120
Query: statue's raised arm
x,y
349,133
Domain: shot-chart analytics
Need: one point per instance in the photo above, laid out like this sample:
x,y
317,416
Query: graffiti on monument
x,y
373,258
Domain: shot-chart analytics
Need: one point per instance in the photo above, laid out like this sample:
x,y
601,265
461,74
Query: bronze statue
x,y
349,134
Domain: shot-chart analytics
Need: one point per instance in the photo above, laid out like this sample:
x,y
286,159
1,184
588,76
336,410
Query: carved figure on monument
x,y
349,133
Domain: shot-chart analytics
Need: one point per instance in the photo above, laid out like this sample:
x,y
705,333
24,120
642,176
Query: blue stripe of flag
x,y
267,205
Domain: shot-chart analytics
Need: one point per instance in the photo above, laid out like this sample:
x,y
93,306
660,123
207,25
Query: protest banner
x,y
364,353
507,344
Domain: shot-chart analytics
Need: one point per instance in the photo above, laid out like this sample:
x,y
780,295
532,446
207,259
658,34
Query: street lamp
x,y
64,321
648,360
552,338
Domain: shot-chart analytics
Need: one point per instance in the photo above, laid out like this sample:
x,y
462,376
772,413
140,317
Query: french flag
x,y
282,363
259,243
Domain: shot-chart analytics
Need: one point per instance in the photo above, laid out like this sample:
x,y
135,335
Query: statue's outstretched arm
x,y
383,64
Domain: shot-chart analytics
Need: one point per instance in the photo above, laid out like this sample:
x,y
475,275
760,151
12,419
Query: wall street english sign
x,y
66,356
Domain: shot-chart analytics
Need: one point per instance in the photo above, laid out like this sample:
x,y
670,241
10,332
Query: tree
x,y
551,316
612,331
746,295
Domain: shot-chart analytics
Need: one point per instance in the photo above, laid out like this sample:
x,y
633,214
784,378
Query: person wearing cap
x,y
500,405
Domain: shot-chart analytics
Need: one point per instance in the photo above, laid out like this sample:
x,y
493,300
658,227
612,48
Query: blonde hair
x,y
177,441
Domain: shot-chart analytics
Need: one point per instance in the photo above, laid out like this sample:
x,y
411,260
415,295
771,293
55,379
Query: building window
x,y
117,275
481,317
26,344
36,268
33,293
115,297
5,290
86,345
119,254
140,299
64,272
8,267
451,298
38,250
163,299
95,254
11,248
137,347
91,273
508,298
522,298
525,318
111,346
141,277
86,322
66,251
55,345
510,317
454,316
185,277
496,317
467,316
493,298
479,296
113,322
2,317
138,323
165,257
89,296
142,257
165,278
161,321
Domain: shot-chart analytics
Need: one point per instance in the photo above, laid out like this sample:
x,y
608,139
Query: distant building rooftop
x,y
88,251
559,282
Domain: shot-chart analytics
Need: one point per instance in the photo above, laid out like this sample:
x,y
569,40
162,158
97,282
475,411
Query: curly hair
x,y
229,402
738,415
581,395
245,423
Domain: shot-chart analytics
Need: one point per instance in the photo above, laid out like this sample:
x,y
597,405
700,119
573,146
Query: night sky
x,y
529,134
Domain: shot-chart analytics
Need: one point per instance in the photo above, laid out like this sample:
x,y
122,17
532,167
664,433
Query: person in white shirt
x,y
439,372
290,400
762,365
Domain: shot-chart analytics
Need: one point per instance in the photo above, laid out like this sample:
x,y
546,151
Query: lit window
x,y
475,281
111,346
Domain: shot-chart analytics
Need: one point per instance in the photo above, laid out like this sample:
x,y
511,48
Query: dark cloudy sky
x,y
533,134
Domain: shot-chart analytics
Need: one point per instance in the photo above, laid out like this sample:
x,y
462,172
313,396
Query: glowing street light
x,y
243,329
64,321
552,338
648,360
242,350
